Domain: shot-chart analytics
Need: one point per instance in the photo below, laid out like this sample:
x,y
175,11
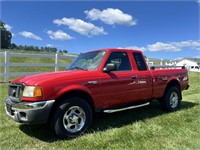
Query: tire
x,y
71,118
171,100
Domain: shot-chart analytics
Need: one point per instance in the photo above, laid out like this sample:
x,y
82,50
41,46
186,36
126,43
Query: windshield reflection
x,y
87,61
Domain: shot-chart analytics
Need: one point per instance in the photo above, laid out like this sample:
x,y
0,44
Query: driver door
x,y
115,87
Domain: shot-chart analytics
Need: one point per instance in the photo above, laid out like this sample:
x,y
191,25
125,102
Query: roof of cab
x,y
116,49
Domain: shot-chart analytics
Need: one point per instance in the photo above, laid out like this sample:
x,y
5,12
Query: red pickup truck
x,y
107,80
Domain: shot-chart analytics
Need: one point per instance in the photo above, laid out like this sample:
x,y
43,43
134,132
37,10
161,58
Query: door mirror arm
x,y
109,67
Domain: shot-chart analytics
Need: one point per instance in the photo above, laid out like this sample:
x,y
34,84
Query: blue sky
x,y
161,29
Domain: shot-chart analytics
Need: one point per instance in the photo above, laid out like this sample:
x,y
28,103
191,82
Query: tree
x,y
5,36
13,46
65,51
20,47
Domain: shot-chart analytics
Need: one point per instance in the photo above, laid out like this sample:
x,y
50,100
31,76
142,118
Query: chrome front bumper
x,y
26,112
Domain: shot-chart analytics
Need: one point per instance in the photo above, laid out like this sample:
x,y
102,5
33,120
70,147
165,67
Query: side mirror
x,y
110,67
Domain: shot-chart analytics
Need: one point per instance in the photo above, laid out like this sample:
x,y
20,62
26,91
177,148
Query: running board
x,y
125,108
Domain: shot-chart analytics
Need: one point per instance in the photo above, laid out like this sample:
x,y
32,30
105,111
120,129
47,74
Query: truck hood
x,y
44,78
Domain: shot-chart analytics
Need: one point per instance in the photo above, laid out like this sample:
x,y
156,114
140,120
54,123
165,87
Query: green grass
x,y
147,128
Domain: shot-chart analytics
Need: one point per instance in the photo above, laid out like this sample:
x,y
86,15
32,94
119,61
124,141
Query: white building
x,y
190,64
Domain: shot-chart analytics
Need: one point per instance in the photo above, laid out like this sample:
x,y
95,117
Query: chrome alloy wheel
x,y
74,119
174,100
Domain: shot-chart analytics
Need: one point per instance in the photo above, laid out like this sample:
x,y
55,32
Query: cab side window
x,y
139,62
120,59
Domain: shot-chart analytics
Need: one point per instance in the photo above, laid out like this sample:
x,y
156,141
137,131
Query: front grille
x,y
15,91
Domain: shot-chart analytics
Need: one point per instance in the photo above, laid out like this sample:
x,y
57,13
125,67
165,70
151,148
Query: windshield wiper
x,y
77,68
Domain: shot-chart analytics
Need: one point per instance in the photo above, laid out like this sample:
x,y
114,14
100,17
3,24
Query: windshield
x,y
87,61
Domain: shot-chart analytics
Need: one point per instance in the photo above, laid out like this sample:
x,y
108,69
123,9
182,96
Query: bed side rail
x,y
166,67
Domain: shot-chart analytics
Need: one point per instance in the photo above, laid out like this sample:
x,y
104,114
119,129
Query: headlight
x,y
32,91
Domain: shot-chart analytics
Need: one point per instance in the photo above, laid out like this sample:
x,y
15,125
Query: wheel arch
x,y
173,83
76,93
72,93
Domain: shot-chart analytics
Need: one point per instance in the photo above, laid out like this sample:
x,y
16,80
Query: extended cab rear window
x,y
139,62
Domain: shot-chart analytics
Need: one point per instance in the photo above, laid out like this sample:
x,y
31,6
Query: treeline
x,y
33,48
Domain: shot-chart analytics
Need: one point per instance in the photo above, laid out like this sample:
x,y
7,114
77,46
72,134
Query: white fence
x,y
7,64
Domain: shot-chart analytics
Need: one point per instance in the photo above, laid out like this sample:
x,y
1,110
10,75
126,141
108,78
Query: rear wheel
x,y
171,99
71,118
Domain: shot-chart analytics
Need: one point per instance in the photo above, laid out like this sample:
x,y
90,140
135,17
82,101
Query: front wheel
x,y
71,118
171,99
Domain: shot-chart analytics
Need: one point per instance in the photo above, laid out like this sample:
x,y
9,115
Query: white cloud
x,y
80,26
136,48
159,46
8,27
30,35
59,35
111,16
173,46
49,45
198,1
167,47
192,44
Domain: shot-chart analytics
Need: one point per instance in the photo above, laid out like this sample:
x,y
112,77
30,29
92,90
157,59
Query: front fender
x,y
70,88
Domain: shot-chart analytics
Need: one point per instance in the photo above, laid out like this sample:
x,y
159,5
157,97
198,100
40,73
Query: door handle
x,y
134,77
